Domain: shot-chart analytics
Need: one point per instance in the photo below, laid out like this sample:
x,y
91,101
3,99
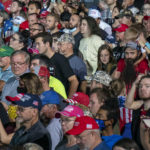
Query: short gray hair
x,y
20,52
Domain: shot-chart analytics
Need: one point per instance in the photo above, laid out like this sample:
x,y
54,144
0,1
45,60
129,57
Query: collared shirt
x,y
107,16
102,146
6,74
36,134
10,88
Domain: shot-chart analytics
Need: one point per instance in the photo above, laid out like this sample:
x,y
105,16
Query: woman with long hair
x,y
106,61
90,43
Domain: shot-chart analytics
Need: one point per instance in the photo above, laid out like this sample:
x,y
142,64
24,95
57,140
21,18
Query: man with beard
x,y
125,67
52,21
74,24
119,34
141,110
128,72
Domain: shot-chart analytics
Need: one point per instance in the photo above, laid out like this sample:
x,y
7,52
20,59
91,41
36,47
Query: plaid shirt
x,y
107,16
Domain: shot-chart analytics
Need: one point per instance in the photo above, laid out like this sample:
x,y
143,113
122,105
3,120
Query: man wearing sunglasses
x,y
31,129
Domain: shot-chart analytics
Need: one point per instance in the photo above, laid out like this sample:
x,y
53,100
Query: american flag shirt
x,y
125,113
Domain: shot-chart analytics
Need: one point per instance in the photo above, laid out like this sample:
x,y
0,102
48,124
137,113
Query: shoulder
x,y
102,146
10,80
104,24
59,57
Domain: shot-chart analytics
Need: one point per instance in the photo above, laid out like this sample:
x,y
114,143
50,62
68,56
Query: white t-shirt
x,y
106,27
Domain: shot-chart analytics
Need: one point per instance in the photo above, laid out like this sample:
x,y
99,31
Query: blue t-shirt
x,y
111,140
5,75
102,146
78,67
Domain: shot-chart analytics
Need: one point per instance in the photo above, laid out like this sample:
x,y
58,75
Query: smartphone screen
x,y
146,122
53,1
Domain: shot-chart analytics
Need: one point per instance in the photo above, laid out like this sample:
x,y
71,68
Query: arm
x,y
130,103
5,106
73,85
2,83
141,58
4,137
142,41
116,74
83,86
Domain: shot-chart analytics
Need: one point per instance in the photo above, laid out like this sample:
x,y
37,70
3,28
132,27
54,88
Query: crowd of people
x,y
74,75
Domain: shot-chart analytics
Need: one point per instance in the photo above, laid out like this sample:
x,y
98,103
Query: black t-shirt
x,y
77,39
59,67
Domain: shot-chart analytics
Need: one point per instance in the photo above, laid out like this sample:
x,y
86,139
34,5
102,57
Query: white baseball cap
x,y
94,13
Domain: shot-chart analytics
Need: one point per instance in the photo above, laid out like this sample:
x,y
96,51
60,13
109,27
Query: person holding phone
x,y
141,113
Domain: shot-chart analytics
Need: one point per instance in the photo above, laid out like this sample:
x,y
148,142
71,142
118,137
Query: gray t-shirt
x,y
55,130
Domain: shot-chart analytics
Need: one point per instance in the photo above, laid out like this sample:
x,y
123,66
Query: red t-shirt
x,y
142,67
7,5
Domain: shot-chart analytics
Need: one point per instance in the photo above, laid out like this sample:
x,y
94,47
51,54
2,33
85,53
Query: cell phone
x,y
146,122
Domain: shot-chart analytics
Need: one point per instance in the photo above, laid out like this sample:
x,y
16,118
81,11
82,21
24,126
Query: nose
x,y
36,46
89,106
143,88
129,56
78,140
17,112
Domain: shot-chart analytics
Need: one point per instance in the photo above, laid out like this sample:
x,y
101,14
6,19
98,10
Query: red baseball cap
x,y
146,18
16,98
83,123
41,71
121,28
80,98
44,14
64,1
70,111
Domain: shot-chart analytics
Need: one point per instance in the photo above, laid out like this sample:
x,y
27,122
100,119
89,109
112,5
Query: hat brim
x,y
120,30
13,99
75,131
64,113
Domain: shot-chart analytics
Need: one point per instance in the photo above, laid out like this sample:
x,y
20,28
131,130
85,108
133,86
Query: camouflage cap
x,y
101,77
66,37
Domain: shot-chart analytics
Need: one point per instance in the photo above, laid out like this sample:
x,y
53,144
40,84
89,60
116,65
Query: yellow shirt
x,y
57,86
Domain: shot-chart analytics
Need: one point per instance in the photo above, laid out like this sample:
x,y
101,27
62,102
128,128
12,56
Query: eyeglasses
x,y
18,63
65,120
146,9
80,137
22,109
